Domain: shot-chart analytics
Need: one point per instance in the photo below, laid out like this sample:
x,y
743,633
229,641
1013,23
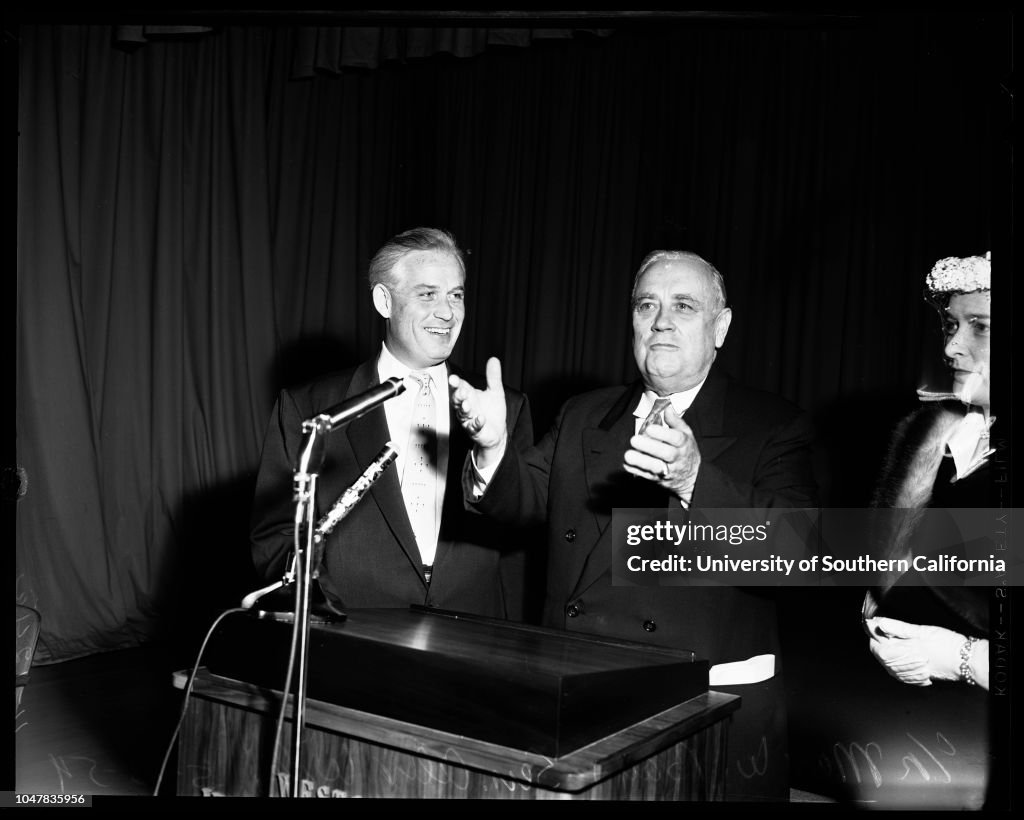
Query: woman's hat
x,y
960,275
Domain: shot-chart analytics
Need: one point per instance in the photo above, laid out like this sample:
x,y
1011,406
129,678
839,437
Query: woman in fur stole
x,y
938,458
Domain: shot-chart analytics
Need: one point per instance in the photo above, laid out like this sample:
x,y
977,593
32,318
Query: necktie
x,y
657,414
419,482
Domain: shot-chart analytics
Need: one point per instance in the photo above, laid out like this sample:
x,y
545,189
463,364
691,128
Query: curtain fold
x,y
331,49
194,226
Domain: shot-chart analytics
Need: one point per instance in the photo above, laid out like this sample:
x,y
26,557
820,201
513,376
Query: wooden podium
x,y
426,704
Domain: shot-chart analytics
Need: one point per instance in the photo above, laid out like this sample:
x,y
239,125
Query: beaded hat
x,y
960,275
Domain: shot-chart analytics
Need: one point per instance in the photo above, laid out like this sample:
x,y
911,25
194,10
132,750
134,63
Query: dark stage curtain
x,y
331,49
195,217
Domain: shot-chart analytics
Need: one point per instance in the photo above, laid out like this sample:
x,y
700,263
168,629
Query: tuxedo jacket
x,y
755,452
370,558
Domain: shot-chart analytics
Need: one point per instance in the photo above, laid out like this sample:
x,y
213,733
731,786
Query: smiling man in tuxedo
x,y
629,446
410,540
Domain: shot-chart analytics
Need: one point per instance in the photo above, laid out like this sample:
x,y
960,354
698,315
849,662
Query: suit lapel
x,y
452,507
608,484
366,435
706,417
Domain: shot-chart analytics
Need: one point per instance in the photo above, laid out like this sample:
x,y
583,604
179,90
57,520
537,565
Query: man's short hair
x,y
416,239
718,281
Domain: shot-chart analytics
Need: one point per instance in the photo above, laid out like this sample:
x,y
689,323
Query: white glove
x,y
914,654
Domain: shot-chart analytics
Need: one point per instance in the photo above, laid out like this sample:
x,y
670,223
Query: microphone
x,y
348,499
357,406
286,579
253,597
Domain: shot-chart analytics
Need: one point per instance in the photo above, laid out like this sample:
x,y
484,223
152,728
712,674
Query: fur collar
x,y
915,454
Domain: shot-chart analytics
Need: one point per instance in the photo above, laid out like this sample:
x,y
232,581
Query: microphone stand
x,y
311,460
309,536
309,546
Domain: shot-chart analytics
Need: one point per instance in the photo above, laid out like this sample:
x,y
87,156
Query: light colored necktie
x,y
419,481
657,414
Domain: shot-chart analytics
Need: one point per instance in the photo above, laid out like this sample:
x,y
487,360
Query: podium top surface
x,y
521,686
534,650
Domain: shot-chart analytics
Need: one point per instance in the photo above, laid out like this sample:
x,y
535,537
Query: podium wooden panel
x,y
225,749
226,744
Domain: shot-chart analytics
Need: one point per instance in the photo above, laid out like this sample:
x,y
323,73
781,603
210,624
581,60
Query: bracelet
x,y
965,661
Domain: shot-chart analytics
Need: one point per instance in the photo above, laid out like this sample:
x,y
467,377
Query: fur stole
x,y
914,456
905,487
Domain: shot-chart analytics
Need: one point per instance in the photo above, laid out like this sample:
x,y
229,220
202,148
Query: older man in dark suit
x,y
410,540
630,446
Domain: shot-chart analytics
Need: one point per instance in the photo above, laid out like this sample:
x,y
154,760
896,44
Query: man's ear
x,y
382,300
722,322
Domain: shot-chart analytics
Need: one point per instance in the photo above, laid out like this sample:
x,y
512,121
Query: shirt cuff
x,y
752,670
481,476
686,496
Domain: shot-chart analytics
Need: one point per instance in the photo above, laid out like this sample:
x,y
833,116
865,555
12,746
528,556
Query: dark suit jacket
x,y
371,558
755,453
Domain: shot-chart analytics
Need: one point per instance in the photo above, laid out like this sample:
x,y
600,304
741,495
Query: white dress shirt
x,y
680,402
969,443
399,412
